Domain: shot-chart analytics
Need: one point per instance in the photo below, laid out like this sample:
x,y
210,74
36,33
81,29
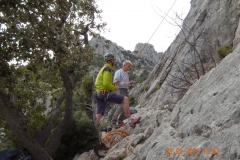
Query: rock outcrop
x,y
147,51
142,52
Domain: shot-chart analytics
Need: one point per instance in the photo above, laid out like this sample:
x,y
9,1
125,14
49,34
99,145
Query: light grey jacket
x,y
121,76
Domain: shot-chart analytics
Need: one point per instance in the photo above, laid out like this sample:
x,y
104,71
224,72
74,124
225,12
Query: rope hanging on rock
x,y
140,52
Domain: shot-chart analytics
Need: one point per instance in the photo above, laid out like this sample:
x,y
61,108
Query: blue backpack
x,y
13,154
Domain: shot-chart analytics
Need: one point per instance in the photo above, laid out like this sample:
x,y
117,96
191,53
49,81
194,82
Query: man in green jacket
x,y
104,87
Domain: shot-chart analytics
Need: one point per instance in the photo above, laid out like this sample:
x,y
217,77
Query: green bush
x,y
146,88
224,51
131,100
158,86
107,46
132,76
81,136
108,41
121,156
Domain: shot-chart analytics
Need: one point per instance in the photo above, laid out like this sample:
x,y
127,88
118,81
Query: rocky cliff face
x,y
191,109
204,124
142,52
147,52
208,26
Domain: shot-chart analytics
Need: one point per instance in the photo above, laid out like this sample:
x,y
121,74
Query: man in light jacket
x,y
121,79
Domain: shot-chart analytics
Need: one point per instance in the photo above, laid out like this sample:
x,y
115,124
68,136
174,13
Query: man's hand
x,y
132,82
117,83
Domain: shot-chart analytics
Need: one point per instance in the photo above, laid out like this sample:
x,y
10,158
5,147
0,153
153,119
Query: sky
x,y
140,21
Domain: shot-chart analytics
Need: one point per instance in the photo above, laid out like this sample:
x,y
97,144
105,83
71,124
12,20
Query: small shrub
x,y
131,100
107,46
132,75
135,51
79,137
173,125
158,123
161,108
107,41
146,88
121,156
105,124
157,87
224,51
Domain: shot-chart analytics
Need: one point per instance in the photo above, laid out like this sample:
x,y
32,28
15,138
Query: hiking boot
x,y
108,129
136,120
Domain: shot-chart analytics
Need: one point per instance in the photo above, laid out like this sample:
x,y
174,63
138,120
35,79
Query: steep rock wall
x,y
209,25
206,119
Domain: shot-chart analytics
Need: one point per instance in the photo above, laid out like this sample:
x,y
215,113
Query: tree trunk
x,y
16,123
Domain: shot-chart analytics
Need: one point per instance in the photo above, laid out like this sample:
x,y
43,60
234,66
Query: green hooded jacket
x,y
104,79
